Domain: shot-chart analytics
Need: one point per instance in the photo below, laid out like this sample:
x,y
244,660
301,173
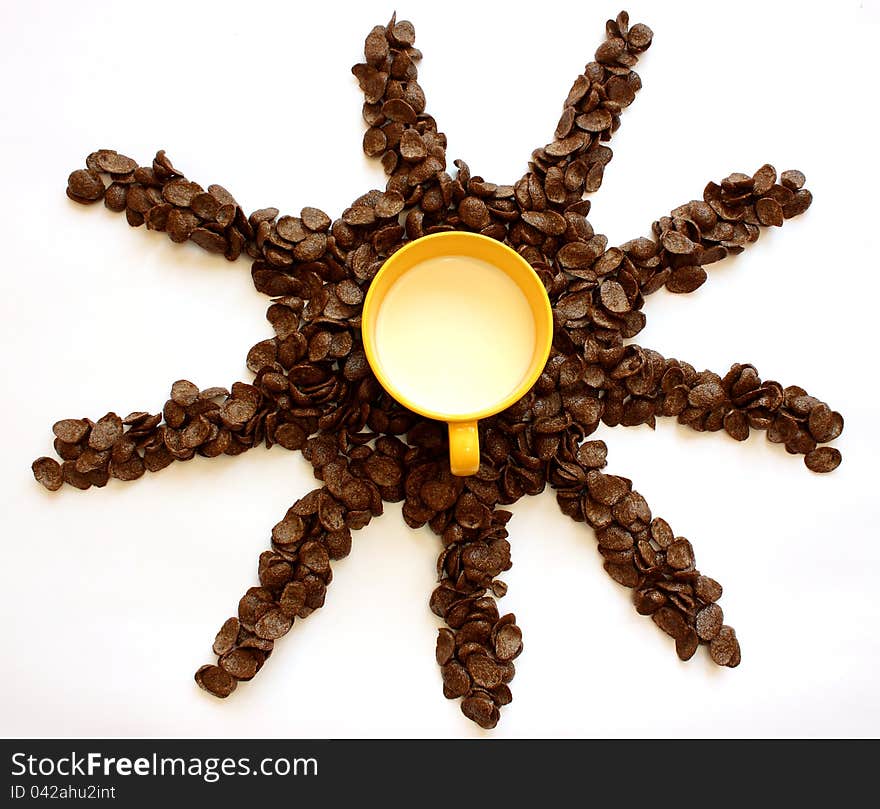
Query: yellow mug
x,y
457,327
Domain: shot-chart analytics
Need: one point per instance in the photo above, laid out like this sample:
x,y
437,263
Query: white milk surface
x,y
455,334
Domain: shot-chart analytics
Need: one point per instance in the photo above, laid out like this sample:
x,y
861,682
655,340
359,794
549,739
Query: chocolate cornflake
x,y
313,390
48,472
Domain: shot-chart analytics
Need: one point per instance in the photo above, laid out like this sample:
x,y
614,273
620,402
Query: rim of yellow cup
x,y
541,352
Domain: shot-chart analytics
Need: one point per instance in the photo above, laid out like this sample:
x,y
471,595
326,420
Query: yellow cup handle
x,y
464,448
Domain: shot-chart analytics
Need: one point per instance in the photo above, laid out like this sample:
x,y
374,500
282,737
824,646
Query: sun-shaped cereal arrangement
x,y
314,390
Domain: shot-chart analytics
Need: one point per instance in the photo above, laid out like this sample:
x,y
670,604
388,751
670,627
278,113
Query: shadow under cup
x,y
457,327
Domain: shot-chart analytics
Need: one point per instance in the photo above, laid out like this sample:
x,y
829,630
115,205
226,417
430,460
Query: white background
x,y
111,598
